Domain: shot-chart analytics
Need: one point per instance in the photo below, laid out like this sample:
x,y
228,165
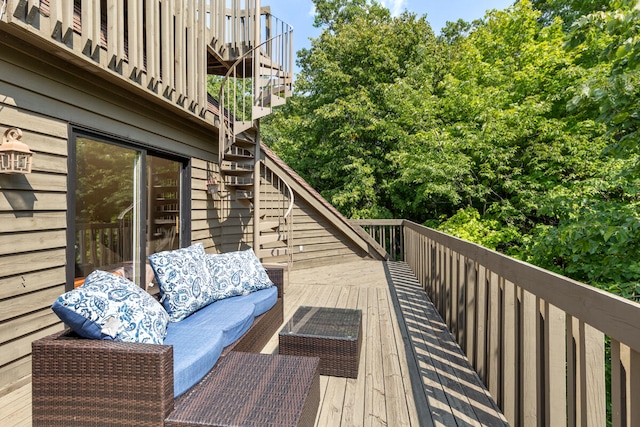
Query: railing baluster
x,y
442,290
573,366
453,316
530,334
555,384
633,388
618,386
493,339
167,38
113,12
470,310
625,385
595,388
462,301
447,286
510,354
481,324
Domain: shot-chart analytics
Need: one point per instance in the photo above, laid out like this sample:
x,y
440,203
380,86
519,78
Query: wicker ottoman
x,y
252,390
332,334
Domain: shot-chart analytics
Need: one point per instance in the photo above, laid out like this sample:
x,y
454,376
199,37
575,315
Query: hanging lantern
x,y
15,156
212,186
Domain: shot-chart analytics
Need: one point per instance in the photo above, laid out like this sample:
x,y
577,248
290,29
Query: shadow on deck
x,y
446,389
411,372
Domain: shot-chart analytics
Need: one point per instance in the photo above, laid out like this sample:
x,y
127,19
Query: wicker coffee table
x,y
333,334
252,390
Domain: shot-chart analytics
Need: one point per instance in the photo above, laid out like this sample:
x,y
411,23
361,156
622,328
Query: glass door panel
x,y
127,207
108,208
163,218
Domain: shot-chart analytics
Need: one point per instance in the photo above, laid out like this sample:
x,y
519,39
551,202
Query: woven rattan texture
x,y
247,389
277,277
74,382
339,356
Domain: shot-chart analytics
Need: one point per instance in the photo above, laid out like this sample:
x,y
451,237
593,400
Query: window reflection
x,y
115,230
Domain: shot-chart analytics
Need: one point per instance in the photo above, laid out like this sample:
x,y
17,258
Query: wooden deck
x,y
411,371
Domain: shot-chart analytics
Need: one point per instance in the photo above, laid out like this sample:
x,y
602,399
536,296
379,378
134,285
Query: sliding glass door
x,y
127,206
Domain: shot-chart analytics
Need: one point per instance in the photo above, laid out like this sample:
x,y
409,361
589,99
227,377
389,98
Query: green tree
x,y
345,118
616,89
497,131
568,10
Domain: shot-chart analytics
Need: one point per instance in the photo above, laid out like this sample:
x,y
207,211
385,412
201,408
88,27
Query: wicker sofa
x,y
79,381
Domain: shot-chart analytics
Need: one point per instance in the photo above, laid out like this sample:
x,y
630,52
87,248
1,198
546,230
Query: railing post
x,y
256,195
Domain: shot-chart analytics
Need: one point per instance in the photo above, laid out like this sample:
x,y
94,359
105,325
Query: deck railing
x,y
163,47
387,233
551,351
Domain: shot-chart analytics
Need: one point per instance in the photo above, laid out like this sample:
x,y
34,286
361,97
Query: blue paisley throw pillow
x,y
237,273
184,280
110,307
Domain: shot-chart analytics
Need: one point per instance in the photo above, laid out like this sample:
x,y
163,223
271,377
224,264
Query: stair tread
x,y
269,225
272,238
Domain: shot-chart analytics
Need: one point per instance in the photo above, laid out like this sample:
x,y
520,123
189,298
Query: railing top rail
x,y
395,222
613,315
287,214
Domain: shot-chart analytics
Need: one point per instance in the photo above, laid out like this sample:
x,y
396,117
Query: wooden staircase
x,y
260,79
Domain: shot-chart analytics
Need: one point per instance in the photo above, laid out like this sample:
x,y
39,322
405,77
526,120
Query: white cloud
x,y
395,6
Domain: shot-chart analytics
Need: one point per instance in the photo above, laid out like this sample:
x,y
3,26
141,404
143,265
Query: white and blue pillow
x,y
184,281
237,273
110,307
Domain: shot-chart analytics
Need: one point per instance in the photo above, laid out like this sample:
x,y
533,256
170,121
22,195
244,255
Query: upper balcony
x,y
161,49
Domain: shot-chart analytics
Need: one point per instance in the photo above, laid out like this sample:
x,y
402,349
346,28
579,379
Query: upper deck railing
x,y
164,47
551,351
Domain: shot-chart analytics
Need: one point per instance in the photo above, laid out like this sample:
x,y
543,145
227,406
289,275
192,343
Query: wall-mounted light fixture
x,y
213,187
15,156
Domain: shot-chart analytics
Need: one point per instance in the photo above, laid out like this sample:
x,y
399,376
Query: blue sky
x,y
438,13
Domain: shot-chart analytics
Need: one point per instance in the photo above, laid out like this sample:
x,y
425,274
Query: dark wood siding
x,y
32,240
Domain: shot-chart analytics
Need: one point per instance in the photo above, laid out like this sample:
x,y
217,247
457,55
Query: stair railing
x,y
277,201
254,82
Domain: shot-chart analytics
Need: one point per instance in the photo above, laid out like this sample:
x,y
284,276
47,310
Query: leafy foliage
x,y
517,131
616,90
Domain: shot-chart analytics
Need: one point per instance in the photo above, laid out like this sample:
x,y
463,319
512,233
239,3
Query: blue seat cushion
x,y
232,317
262,300
194,354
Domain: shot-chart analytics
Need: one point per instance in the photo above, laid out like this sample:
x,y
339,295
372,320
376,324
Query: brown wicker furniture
x,y
84,382
333,334
252,390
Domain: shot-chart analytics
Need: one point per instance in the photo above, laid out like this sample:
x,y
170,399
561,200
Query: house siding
x,y
322,243
47,99
32,235
221,224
